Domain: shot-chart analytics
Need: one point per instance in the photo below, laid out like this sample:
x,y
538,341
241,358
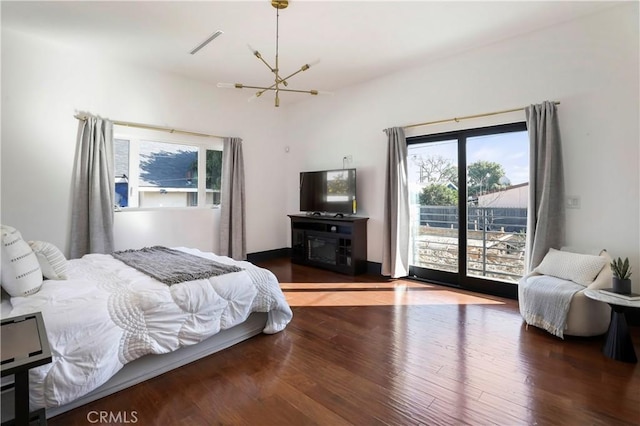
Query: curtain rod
x,y
153,127
466,117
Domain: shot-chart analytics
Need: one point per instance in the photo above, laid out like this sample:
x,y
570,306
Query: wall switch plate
x,y
573,202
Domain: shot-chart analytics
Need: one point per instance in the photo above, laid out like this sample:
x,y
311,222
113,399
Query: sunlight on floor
x,y
352,285
377,294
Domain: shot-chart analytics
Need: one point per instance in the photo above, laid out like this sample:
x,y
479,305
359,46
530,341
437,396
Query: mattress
x,y
107,315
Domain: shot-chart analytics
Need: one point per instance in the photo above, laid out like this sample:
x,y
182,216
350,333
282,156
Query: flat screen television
x,y
328,191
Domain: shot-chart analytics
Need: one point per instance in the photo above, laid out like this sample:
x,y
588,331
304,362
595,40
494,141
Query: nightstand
x,y
618,345
24,346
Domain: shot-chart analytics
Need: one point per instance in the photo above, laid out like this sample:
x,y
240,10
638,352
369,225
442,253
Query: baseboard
x,y
374,268
262,256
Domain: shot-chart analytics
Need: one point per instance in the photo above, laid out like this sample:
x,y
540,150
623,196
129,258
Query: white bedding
x,y
108,314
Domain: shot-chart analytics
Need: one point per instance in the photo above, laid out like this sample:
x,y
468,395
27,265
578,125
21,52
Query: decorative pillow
x,y
576,267
21,273
51,260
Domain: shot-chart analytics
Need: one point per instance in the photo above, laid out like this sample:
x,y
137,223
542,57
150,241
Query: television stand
x,y
335,243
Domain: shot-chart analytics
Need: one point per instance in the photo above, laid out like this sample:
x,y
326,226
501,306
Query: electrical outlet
x,y
573,202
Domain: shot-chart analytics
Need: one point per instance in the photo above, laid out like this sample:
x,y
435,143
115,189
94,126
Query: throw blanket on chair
x,y
172,266
546,302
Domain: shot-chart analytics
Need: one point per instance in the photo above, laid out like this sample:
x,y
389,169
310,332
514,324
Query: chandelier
x,y
279,84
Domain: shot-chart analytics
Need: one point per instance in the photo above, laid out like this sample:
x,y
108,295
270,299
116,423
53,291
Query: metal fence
x,y
508,219
496,238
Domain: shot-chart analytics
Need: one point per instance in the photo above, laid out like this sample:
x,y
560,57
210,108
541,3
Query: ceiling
x,y
355,41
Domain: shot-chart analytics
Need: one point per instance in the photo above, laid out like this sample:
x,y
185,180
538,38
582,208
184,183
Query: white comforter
x,y
108,314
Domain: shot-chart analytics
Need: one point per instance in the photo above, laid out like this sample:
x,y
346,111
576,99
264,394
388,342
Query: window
x,y
155,173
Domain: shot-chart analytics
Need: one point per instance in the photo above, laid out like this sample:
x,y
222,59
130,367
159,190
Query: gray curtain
x,y
395,231
93,189
232,201
546,219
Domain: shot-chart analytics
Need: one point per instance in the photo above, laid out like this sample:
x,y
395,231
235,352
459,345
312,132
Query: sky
x,y
511,150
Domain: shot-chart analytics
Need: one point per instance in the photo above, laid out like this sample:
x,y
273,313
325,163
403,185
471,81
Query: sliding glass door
x,y
433,191
469,199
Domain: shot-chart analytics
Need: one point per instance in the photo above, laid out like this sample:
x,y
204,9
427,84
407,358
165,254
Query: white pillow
x,y
21,273
51,260
576,267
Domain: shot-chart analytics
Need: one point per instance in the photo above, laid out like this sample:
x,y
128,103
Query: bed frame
x,y
151,366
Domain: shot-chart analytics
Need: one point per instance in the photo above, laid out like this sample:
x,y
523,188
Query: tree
x,y
438,195
168,169
483,176
436,169
214,169
338,183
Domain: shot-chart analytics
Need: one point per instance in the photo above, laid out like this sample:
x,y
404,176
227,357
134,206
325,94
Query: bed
x,y
111,326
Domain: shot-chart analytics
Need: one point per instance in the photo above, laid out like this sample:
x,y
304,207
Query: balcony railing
x,y
496,239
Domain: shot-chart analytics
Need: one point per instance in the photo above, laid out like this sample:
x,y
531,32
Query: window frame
x,y
461,279
135,135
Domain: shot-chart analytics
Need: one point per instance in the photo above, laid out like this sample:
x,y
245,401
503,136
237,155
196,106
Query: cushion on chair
x,y
579,268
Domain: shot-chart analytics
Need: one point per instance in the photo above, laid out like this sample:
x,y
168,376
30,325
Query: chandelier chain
x,y
277,73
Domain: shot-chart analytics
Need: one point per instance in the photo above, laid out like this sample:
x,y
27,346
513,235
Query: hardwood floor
x,y
366,351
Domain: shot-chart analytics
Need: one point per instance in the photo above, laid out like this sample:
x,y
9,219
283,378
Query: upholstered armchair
x,y
556,288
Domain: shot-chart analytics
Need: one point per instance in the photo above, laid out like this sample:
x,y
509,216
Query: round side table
x,y
618,344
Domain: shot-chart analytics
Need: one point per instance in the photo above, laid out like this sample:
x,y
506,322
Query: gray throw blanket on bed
x,y
547,301
172,266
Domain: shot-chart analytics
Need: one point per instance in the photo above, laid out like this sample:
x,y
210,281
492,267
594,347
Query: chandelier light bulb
x,y
254,97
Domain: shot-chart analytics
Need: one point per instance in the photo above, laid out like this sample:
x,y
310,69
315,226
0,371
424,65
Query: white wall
x,y
170,228
44,84
589,65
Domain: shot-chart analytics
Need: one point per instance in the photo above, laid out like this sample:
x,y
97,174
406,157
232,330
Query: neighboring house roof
x,y
169,169
506,188
510,196
159,169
